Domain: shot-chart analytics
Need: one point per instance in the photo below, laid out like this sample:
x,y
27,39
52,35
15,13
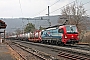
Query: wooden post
x,y
0,38
4,36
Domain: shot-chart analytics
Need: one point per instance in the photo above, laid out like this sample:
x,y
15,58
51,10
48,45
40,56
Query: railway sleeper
x,y
72,56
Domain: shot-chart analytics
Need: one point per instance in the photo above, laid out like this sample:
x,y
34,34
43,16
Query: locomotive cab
x,y
70,34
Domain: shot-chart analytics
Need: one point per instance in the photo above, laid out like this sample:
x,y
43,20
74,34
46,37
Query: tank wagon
x,y
35,37
59,34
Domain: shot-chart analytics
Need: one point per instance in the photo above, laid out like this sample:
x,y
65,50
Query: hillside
x,y
15,23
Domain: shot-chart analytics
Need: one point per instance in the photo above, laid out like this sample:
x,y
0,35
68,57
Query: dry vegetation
x,y
86,37
76,15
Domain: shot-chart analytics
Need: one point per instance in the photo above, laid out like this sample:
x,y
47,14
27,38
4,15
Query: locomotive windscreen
x,y
71,29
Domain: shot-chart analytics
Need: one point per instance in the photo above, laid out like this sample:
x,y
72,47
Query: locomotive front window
x,y
71,29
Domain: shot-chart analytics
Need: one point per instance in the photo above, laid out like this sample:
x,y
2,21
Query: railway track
x,y
73,54
82,47
72,49
23,58
37,53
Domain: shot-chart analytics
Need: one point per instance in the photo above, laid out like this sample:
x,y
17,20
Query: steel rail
x,y
72,53
70,50
35,52
17,52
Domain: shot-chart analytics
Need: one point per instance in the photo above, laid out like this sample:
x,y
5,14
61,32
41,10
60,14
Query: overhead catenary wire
x,y
56,9
62,7
20,8
50,6
86,3
87,9
54,3
40,12
22,15
66,5
46,8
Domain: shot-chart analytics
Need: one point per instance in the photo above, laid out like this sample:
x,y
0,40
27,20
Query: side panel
x,y
51,34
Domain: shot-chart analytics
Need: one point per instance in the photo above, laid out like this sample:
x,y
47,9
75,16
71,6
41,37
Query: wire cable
x,y
86,3
54,3
68,4
40,12
46,8
62,7
20,8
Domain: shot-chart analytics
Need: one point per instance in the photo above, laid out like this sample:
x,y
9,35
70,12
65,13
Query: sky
x,y
32,8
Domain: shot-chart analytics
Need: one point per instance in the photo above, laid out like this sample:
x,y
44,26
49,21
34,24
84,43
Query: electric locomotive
x,y
60,34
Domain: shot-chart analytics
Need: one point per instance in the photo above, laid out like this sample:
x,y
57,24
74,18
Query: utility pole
x,y
49,17
41,18
22,26
4,35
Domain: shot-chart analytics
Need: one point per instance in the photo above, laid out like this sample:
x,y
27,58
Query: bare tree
x,y
76,15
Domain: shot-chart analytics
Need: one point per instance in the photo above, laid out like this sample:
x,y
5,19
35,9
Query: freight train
x,y
58,34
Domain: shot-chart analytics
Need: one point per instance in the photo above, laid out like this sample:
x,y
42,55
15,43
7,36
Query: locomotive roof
x,y
57,26
53,26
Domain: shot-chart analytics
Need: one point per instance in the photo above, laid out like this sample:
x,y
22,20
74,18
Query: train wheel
x,y
57,43
62,44
42,42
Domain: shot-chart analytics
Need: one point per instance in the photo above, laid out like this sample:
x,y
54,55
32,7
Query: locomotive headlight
x,y
65,36
72,36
